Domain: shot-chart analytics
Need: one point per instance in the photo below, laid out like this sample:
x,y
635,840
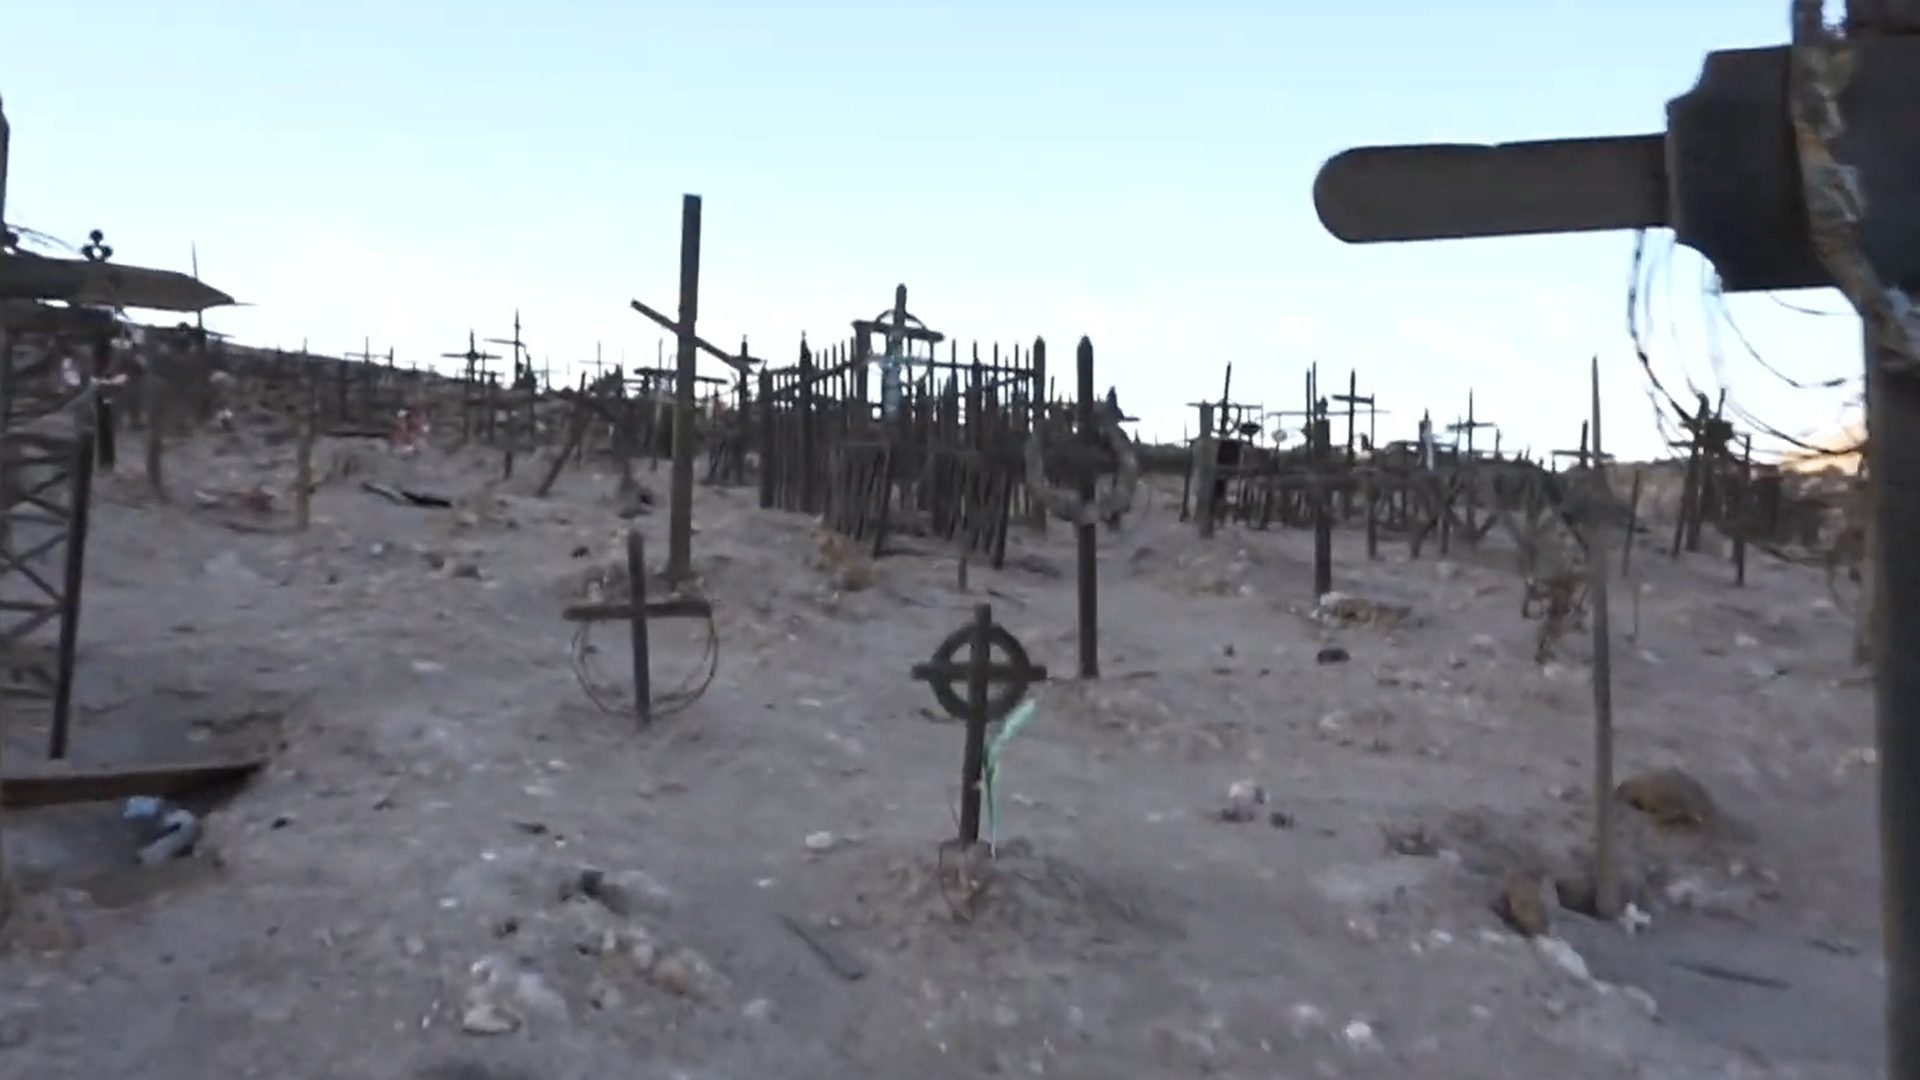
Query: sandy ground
x,y
459,868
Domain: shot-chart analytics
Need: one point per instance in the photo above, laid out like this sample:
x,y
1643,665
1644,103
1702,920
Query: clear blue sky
x,y
1139,173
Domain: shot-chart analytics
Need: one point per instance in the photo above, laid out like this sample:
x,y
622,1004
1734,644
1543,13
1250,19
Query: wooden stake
x,y
303,461
680,497
157,412
1206,455
1605,887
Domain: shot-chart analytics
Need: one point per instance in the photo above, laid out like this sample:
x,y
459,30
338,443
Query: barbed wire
x,y
41,239
1675,428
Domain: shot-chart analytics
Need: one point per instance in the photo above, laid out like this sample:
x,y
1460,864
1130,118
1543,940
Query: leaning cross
x,y
1787,167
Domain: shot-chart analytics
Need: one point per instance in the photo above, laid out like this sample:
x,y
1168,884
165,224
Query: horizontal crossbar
x,y
673,607
996,673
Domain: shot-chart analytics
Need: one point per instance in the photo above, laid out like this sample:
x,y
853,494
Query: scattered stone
x,y
644,953
1633,920
1485,645
603,995
758,1011
1576,893
1244,800
848,568
487,1018
1360,1036
13,1033
1332,654
1563,956
1519,905
685,973
1646,1002
1280,819
1412,840
502,997
624,894
1306,1019
467,570
1670,797
1341,609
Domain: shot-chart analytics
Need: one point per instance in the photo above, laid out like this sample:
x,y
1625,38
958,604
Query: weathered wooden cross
x,y
1792,166
635,611
690,346
982,705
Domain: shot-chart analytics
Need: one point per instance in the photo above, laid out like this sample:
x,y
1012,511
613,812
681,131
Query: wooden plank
x,y
1396,193
101,784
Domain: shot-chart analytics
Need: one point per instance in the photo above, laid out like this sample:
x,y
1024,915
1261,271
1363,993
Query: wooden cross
x,y
635,611
1352,399
981,706
1770,148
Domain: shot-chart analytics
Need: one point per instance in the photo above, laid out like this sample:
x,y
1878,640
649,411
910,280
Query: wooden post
x,y
973,759
309,420
637,591
1606,891
1371,492
804,391
1633,525
1085,540
1689,488
1892,465
156,389
766,440
1205,460
6,485
680,502
1743,514
1322,507
73,579
1040,404
742,418
576,435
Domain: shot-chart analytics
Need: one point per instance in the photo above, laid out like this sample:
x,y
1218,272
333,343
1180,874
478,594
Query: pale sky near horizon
x,y
1134,172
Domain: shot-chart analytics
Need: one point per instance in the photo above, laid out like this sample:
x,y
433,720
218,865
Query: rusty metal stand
x,y
47,452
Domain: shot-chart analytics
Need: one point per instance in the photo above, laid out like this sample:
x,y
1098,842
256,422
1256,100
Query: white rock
x,y
1305,1019
487,1018
1359,1035
539,999
1563,956
1641,998
1633,920
1246,793
821,841
759,1011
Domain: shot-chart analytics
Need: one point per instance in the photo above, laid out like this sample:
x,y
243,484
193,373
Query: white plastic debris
x,y
1633,920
